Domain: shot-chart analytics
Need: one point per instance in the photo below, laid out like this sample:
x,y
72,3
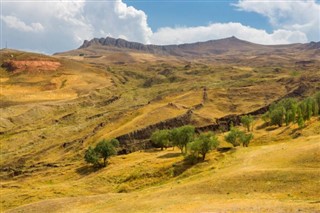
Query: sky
x,y
50,26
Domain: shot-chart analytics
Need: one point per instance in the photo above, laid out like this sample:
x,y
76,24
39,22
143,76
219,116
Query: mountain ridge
x,y
212,47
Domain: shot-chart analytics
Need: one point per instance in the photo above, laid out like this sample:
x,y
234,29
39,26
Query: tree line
x,y
193,146
185,139
196,146
290,110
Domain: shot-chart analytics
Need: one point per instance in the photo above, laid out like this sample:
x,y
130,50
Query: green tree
x,y
317,99
233,137
288,117
266,117
91,156
204,144
303,110
300,119
161,138
315,108
182,136
309,108
237,137
293,113
277,116
247,120
245,139
105,149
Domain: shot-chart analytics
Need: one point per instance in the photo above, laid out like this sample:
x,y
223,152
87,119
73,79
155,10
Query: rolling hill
x,y
54,107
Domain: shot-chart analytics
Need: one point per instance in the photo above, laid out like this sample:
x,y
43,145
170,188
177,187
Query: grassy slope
x,y
282,175
35,132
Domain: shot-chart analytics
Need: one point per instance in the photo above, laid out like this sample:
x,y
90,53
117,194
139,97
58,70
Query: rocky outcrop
x,y
313,45
139,139
175,50
200,49
123,44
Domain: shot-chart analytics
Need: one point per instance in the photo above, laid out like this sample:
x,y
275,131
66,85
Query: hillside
x,y
239,180
54,107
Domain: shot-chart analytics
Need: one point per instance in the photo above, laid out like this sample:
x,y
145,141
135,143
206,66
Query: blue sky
x,y
58,26
195,13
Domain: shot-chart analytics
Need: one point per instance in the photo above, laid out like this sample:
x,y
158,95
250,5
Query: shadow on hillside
x,y
181,167
262,126
151,150
86,170
271,128
284,130
224,149
170,155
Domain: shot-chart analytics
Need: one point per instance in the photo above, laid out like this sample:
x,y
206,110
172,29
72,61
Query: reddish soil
x,y
31,66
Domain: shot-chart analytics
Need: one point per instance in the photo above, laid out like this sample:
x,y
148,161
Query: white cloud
x,y
59,26
223,30
65,24
15,23
116,19
299,15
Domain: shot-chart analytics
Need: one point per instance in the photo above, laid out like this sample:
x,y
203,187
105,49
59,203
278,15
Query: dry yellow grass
x,y
41,138
281,175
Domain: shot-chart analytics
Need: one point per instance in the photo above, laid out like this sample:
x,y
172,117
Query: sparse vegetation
x,y
38,164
